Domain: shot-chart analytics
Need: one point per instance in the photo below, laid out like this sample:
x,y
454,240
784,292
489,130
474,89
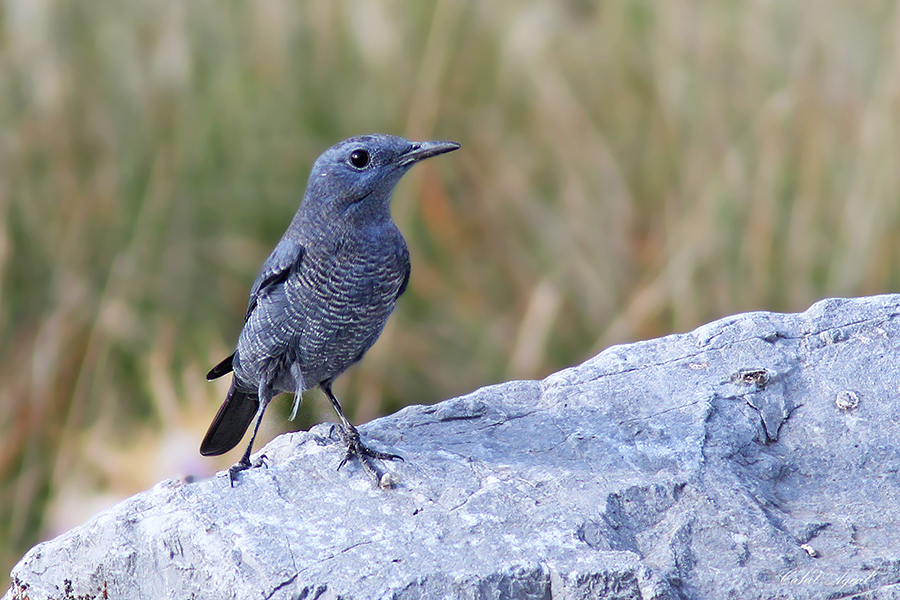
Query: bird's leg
x,y
265,395
355,447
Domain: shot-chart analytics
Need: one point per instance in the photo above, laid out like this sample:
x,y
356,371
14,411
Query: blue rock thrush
x,y
323,296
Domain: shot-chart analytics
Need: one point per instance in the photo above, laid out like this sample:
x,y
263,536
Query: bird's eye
x,y
359,158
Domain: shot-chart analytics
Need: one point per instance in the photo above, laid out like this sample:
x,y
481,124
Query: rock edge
x,y
754,457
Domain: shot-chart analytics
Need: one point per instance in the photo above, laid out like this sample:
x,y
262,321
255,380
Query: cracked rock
x,y
713,464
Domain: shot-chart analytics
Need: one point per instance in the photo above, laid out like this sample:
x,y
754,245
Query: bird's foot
x,y
243,465
355,447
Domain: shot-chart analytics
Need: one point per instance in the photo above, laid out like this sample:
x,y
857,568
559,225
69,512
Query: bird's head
x,y
355,178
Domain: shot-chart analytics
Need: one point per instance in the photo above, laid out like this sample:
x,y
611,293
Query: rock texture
x,y
756,457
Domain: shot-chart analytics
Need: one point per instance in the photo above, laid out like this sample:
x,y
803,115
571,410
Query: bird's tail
x,y
231,422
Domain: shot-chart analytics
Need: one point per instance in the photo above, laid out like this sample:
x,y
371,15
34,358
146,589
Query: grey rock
x,y
723,463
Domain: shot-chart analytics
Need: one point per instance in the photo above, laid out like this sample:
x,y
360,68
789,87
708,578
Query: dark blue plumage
x,y
324,295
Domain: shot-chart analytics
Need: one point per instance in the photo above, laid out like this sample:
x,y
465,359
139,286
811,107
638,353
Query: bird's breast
x,y
326,314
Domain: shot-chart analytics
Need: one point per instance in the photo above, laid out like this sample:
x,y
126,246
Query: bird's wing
x,y
286,256
223,368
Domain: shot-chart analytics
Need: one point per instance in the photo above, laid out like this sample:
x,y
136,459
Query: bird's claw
x,y
236,468
364,453
243,465
356,448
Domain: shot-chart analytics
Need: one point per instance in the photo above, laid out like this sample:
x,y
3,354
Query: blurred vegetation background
x,y
629,169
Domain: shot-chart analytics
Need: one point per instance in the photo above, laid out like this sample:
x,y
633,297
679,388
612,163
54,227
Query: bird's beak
x,y
422,150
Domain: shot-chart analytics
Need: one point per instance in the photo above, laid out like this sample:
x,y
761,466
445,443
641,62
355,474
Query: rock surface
x,y
756,457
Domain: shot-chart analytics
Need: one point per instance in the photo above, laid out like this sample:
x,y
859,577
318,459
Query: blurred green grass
x,y
629,169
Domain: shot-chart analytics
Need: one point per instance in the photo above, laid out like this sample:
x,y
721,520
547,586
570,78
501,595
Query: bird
x,y
324,294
